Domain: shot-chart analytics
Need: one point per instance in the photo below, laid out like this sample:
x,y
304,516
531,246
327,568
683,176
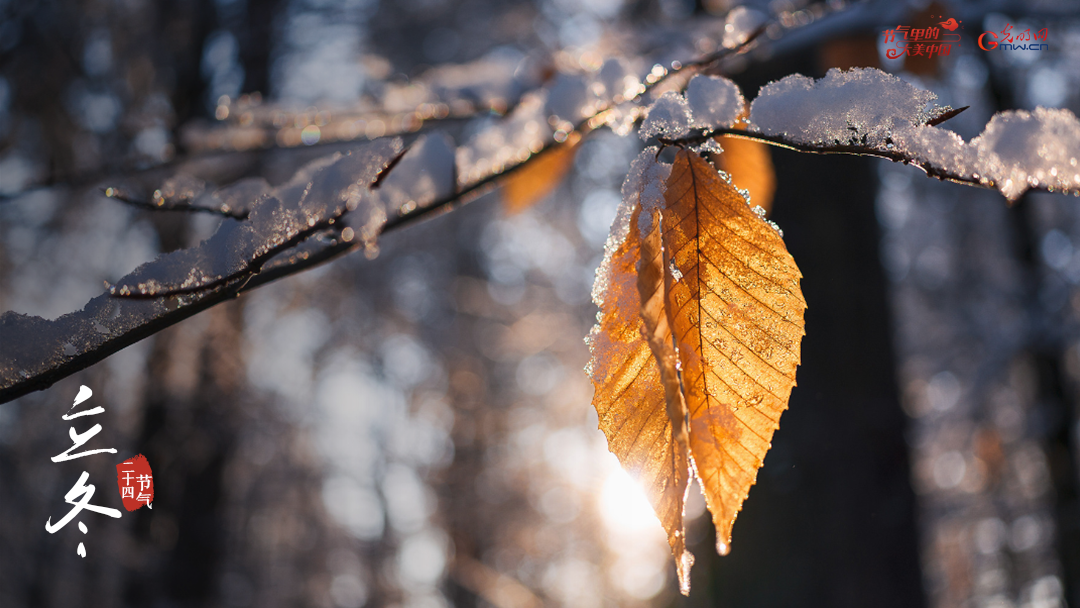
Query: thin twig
x,y
254,266
123,197
704,62
937,120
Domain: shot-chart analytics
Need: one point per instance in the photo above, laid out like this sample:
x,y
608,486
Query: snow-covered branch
x,y
871,113
343,202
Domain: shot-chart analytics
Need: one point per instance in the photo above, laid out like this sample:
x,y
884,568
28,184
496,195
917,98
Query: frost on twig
x,y
36,352
184,192
320,194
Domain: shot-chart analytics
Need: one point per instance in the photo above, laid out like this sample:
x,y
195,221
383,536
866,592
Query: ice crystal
x,y
644,171
709,146
510,140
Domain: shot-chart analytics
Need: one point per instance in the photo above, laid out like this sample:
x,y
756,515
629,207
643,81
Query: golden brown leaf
x,y
692,374
737,316
539,176
750,166
653,291
629,395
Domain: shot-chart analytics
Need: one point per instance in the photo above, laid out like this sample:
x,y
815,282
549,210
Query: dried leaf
x,y
539,177
629,397
694,383
737,315
654,284
750,166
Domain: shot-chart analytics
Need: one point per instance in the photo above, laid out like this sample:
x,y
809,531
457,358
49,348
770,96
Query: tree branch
x,y
852,150
51,350
123,197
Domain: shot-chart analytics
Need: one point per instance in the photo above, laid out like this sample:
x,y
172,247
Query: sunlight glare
x,y
624,507
634,534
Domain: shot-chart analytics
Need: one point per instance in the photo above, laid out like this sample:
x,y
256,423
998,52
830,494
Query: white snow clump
x,y
714,102
740,23
861,106
710,102
668,116
522,133
1018,150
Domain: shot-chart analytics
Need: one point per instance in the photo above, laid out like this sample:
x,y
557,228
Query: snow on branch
x,y
858,106
330,194
1018,151
187,193
864,111
321,193
496,83
493,83
342,202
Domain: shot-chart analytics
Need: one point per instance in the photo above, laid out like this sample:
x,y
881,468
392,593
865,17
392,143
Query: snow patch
x,y
714,102
510,140
861,106
1017,151
740,23
667,117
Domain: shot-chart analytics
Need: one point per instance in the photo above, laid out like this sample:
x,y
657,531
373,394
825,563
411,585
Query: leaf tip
x,y
686,560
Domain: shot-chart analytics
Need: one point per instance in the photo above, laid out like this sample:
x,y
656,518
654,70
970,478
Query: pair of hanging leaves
x,y
694,355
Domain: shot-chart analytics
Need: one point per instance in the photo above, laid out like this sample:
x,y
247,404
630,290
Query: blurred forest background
x,y
416,431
